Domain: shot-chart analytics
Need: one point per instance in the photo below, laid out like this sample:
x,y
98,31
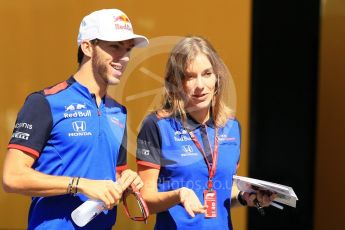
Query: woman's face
x,y
199,84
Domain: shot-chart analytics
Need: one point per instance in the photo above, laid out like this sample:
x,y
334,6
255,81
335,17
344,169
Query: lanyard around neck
x,y
211,166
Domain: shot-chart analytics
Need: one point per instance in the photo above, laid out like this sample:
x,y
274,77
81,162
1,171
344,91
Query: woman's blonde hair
x,y
179,59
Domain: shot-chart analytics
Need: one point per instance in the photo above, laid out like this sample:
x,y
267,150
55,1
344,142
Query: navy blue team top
x,y
69,135
164,144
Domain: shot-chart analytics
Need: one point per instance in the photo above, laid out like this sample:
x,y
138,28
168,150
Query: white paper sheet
x,y
285,194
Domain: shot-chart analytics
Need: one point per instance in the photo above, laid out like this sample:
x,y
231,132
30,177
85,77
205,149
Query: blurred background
x,y
287,65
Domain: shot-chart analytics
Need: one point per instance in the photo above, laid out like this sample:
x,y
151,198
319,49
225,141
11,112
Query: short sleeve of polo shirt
x,y
149,143
33,125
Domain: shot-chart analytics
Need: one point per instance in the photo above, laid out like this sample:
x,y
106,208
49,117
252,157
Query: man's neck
x,y
87,79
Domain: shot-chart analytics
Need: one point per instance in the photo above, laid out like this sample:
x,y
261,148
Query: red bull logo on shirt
x,y
122,23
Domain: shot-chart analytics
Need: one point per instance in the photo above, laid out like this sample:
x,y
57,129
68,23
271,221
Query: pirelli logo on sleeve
x,y
22,126
21,135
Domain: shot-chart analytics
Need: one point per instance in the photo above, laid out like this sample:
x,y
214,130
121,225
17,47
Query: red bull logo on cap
x,y
122,18
122,23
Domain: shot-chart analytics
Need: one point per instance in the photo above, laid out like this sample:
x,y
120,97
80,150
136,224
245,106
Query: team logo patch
x,y
121,18
23,125
145,152
76,110
188,151
21,135
122,23
79,128
74,106
187,148
224,137
181,135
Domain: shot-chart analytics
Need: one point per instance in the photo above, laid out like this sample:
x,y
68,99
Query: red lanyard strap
x,y
211,166
141,202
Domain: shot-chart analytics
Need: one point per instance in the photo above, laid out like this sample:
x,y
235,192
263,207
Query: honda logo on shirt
x,y
188,151
79,126
187,148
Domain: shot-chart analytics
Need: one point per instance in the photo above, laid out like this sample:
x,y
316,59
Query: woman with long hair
x,y
189,149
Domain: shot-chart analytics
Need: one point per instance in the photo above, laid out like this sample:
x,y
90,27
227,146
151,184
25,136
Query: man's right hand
x,y
108,191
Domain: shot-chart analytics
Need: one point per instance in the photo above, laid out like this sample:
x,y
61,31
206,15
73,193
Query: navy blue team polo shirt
x,y
69,135
164,144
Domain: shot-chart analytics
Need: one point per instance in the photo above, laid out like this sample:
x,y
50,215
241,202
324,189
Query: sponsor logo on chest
x,y
181,135
188,151
76,110
224,137
79,128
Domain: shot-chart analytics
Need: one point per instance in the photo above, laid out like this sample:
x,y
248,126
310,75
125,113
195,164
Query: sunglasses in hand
x,y
132,190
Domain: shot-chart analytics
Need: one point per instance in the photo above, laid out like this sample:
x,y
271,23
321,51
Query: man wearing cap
x,y
69,141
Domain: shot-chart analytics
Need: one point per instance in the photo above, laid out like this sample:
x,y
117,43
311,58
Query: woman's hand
x,y
190,201
263,197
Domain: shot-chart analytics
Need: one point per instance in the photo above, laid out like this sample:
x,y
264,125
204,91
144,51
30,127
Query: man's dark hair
x,y
81,53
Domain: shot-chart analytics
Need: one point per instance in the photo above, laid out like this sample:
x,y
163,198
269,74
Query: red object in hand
x,y
142,204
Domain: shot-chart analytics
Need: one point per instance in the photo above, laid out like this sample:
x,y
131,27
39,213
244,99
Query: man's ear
x,y
87,48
